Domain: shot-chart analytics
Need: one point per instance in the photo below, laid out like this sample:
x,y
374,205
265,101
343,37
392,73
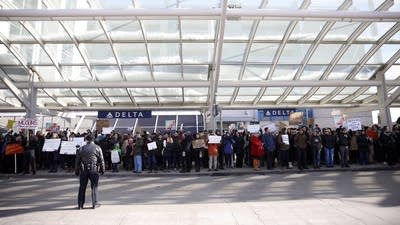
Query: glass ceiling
x,y
172,54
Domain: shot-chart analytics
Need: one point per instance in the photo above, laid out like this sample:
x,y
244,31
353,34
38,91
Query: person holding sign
x,y
29,153
214,142
283,146
88,164
115,157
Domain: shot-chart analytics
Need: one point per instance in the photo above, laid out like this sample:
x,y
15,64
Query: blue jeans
x,y
316,157
329,156
151,158
138,163
364,157
344,153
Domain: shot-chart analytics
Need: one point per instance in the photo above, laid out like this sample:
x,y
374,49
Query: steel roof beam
x,y
146,44
364,60
388,64
18,94
393,97
247,50
181,50
172,84
121,72
172,106
218,55
243,14
232,41
325,29
360,29
110,42
278,53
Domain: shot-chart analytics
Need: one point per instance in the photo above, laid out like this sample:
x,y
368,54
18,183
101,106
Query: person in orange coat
x,y
256,150
213,156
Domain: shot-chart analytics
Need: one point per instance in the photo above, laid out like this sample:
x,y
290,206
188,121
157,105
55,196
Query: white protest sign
x,y
214,139
79,141
107,130
151,146
115,156
27,124
285,139
253,128
354,124
51,145
68,148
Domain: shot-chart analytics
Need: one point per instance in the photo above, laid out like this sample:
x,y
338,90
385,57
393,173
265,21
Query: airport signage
x,y
278,112
124,114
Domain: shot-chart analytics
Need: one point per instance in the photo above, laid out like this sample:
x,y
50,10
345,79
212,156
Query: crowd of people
x,y
185,151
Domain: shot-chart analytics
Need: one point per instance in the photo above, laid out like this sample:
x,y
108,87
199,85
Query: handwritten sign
x,y
79,141
12,149
151,146
354,124
68,148
253,128
27,124
214,139
285,139
51,145
107,130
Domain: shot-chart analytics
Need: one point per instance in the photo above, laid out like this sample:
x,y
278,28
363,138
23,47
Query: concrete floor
x,y
328,197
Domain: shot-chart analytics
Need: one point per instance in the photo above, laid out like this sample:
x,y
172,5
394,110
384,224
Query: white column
x,y
79,124
384,111
155,124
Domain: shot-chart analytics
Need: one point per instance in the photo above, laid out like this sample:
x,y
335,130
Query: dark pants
x,y
302,159
187,162
239,159
85,176
364,157
284,158
197,159
29,161
53,161
344,153
151,157
316,157
270,160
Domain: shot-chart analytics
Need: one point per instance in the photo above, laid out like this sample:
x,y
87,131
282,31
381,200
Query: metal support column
x,y
384,111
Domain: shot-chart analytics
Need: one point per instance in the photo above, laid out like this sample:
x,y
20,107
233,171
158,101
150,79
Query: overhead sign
x,y
278,112
27,124
124,114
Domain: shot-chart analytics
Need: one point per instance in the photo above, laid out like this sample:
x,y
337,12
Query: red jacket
x,y
257,149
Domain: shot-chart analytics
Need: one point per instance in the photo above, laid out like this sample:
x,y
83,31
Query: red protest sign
x,y
12,149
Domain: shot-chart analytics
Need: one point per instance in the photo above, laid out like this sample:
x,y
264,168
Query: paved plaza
x,y
328,197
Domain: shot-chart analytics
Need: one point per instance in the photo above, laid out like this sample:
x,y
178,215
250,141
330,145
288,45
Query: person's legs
x,y
94,182
83,180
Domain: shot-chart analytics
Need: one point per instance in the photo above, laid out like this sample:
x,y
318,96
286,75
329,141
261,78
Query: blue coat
x,y
228,144
269,141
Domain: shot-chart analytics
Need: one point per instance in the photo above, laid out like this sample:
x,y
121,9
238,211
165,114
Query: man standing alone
x,y
88,164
